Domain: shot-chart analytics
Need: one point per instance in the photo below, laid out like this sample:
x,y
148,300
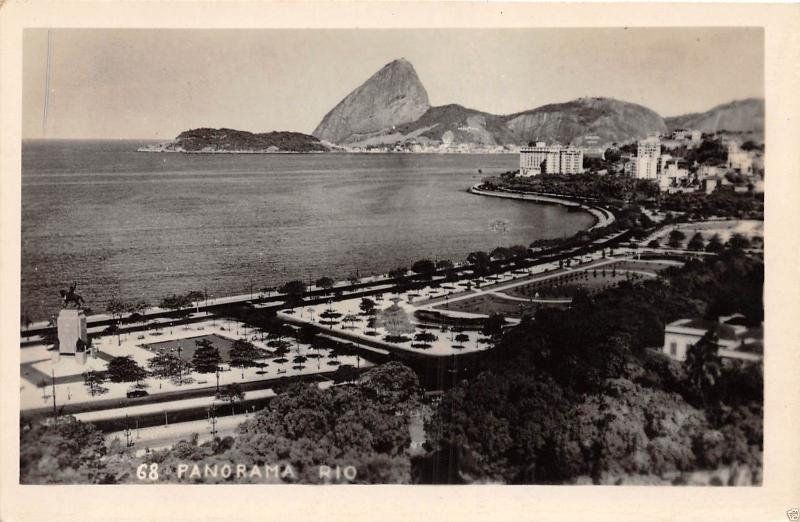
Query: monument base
x,y
71,329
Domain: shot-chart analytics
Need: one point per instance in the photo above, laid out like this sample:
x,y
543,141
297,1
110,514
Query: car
x,y
132,394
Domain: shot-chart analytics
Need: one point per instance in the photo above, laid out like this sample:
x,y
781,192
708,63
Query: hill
x,y
609,119
230,140
737,116
392,107
392,96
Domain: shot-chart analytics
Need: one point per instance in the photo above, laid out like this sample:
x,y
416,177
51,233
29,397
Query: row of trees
x,y
698,243
170,365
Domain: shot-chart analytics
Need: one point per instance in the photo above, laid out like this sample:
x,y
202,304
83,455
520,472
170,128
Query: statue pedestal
x,y
71,328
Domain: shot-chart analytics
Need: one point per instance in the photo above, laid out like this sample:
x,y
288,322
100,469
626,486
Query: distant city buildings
x,y
685,135
550,159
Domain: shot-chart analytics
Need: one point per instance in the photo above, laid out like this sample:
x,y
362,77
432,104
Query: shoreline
x,y
334,151
603,217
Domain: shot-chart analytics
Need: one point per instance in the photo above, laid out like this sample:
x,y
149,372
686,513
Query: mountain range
x,y
391,110
392,107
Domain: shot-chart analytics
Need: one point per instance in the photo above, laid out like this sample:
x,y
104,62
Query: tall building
x,y
550,159
571,160
648,152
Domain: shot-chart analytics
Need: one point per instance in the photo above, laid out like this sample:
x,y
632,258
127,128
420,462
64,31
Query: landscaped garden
x,y
189,345
488,304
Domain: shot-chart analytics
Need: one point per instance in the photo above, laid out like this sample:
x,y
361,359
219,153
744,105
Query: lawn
x,y
488,304
567,285
188,346
652,267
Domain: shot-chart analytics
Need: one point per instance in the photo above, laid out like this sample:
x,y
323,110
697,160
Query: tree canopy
x,y
125,369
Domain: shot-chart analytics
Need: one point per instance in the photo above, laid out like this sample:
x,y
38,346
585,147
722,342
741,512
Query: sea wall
x,y
604,217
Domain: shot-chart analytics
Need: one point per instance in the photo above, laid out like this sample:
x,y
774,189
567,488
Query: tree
x,y
66,451
696,243
326,283
117,308
444,264
294,290
94,381
174,302
206,358
676,238
231,393
738,242
703,364
715,244
350,318
168,366
307,334
195,296
398,273
480,260
461,339
346,373
308,428
367,306
519,251
425,337
393,386
493,326
500,253
652,244
425,268
125,369
244,355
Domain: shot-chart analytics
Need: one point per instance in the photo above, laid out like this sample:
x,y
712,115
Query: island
x,y
231,141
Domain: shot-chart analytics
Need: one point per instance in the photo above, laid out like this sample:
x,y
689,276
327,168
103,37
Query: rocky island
x,y
221,141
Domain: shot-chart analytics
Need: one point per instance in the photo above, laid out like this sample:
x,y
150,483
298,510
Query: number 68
x,y
143,474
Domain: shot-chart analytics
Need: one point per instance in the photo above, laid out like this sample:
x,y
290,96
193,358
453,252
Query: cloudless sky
x,y
130,83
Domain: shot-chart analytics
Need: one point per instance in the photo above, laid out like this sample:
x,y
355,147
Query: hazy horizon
x,y
153,84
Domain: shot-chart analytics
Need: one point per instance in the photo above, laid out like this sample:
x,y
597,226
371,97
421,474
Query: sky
x,y
156,83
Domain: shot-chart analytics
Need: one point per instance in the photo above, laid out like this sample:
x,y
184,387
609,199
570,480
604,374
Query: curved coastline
x,y
603,216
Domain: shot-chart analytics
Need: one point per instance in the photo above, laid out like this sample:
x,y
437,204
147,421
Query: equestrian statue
x,y
70,297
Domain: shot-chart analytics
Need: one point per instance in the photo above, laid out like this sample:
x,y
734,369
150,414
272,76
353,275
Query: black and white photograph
x,y
394,256
241,263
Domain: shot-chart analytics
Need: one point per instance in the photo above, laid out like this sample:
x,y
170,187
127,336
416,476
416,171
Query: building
x,y
681,134
708,171
648,152
550,159
672,175
735,341
710,183
739,160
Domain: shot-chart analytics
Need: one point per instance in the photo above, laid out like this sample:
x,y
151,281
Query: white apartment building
x,y
550,159
734,341
648,152
671,175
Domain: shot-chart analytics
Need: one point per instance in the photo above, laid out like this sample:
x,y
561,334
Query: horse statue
x,y
70,297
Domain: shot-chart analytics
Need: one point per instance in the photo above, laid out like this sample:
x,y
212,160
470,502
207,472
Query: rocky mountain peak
x,y
392,96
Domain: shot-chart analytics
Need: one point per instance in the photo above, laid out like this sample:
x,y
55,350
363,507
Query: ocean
x,y
145,225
